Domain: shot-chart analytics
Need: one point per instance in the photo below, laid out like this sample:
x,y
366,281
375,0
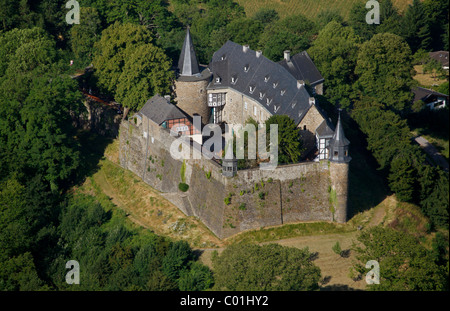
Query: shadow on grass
x,y
91,152
366,186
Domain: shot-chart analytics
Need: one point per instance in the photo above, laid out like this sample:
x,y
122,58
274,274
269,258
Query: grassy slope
x,y
310,8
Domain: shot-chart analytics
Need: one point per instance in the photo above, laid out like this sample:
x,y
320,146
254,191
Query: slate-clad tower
x,y
191,83
339,164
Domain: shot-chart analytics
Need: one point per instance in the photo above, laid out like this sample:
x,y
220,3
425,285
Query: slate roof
x,y
188,64
159,109
421,93
339,139
271,84
301,67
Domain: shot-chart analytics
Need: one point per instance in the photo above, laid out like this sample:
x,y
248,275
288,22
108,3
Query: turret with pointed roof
x,y
339,144
188,64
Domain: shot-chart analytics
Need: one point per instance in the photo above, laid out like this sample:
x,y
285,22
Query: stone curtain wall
x,y
251,200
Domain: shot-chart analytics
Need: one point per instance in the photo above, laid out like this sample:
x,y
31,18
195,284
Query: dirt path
x,y
437,158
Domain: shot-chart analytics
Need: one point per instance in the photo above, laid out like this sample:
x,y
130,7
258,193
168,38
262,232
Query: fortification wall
x,y
250,200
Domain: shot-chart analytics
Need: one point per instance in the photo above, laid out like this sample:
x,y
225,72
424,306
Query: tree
x,y
245,31
415,27
130,66
402,177
253,267
327,16
357,20
289,144
85,34
384,71
390,19
198,277
334,52
292,33
404,263
176,259
266,16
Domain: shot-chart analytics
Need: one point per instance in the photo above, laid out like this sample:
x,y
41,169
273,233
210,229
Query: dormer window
x,y
275,84
233,79
283,92
252,89
266,78
261,95
218,79
223,57
268,101
246,68
293,104
275,108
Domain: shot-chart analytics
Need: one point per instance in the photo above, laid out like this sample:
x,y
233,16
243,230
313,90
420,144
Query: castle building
x,y
240,83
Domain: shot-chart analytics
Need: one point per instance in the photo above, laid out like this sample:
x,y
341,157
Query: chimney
x,y
245,48
287,55
258,53
167,97
312,101
300,83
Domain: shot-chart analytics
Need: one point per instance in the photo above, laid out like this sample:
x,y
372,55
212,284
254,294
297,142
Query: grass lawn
x,y
426,79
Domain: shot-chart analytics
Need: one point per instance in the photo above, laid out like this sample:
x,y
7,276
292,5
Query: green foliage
x,y
292,33
176,259
84,35
384,68
208,175
404,263
415,26
129,66
183,187
242,207
337,248
199,277
262,195
183,171
267,267
289,143
334,52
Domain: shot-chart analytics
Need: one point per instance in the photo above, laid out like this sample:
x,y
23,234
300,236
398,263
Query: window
x,y
283,92
304,127
233,79
275,84
252,89
262,115
336,153
246,68
218,79
245,105
266,78
255,111
346,153
261,95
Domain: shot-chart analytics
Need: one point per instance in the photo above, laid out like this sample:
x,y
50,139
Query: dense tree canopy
x,y
334,52
130,66
269,267
384,71
404,263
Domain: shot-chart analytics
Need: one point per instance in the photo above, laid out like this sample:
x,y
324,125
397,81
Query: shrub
x,y
183,186
242,207
262,195
337,248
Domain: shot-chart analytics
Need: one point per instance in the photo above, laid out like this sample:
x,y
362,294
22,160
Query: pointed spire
x,y
188,64
339,144
339,138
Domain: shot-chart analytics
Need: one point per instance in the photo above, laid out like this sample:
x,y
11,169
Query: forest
x,y
133,46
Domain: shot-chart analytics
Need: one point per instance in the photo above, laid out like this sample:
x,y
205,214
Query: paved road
x,y
438,158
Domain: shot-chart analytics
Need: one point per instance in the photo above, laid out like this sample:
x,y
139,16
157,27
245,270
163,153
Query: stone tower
x,y
190,85
339,164
229,162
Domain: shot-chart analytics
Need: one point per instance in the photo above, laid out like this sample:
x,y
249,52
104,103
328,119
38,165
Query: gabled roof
x,y
421,93
159,109
301,67
188,64
254,75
